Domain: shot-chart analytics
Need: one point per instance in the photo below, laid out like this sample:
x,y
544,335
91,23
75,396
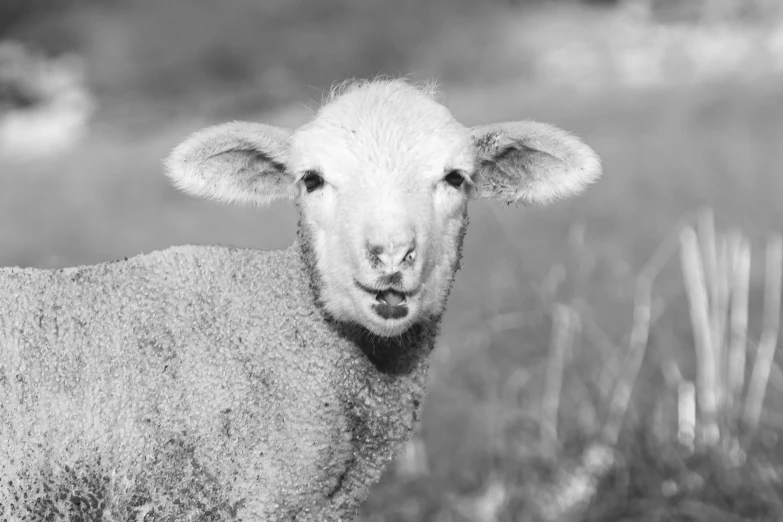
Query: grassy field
x,y
666,154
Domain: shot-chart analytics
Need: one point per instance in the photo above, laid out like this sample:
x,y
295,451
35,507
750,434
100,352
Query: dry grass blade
x,y
715,262
708,245
695,285
662,254
776,378
766,351
553,280
633,362
739,323
719,317
562,339
610,355
640,334
671,371
515,383
586,258
686,414
709,257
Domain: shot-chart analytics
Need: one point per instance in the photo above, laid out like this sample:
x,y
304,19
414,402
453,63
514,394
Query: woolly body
x,y
195,382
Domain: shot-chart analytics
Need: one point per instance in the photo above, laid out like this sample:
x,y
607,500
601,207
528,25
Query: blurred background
x,y
682,99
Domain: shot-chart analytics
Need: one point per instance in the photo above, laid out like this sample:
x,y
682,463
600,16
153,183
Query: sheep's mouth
x,y
390,304
391,297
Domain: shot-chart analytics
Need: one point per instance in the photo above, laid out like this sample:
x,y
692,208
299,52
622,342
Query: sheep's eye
x,y
312,180
454,178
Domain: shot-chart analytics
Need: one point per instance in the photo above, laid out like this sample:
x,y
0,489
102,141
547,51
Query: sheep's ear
x,y
531,162
238,162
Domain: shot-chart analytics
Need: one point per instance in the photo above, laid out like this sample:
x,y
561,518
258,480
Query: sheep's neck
x,y
382,398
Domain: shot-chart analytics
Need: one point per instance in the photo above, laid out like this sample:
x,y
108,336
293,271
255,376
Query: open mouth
x,y
389,304
391,311
391,297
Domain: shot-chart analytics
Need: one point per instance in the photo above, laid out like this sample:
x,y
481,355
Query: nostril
x,y
391,254
374,253
375,250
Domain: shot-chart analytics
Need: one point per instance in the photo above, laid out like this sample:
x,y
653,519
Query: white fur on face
x,y
383,175
383,151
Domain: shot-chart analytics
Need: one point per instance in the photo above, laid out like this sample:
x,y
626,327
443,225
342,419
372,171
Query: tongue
x,y
391,297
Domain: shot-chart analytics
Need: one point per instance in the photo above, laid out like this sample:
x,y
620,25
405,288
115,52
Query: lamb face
x,y
382,177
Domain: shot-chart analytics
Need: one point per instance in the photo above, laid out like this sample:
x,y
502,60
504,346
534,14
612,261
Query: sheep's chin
x,y
389,328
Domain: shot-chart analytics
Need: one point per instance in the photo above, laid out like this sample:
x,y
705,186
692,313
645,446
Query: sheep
x,y
217,383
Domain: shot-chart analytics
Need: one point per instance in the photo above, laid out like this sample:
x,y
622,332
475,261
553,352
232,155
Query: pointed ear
x,y
237,162
531,162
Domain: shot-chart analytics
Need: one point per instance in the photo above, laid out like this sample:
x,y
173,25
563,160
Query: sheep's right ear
x,y
238,162
531,162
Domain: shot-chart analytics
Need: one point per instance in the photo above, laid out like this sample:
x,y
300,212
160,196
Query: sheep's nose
x,y
394,254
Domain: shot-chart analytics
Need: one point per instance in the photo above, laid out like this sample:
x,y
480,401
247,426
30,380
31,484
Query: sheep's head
x,y
382,176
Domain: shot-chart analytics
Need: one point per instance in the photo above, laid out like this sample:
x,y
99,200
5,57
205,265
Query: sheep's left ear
x,y
237,162
531,163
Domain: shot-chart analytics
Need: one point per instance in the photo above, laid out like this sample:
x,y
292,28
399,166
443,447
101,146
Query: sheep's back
x,y
169,384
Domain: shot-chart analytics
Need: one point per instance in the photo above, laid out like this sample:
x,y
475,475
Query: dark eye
x,y
454,178
312,180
